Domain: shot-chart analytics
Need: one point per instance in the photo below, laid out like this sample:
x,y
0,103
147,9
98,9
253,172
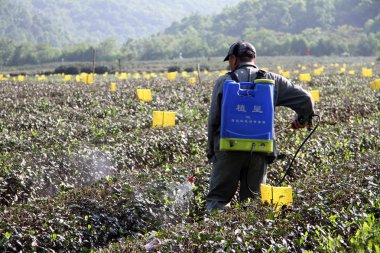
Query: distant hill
x,y
63,22
289,16
277,27
42,31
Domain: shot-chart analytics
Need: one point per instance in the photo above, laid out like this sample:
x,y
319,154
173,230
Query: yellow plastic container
x,y
305,77
315,95
144,95
163,118
276,196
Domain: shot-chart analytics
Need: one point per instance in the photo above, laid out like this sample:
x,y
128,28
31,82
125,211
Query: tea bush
x,y
82,169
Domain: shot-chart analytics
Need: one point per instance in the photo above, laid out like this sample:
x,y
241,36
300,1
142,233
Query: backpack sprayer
x,y
247,124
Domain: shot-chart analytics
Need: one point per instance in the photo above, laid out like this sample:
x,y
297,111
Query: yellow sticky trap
x,y
83,77
91,79
171,76
113,87
67,78
276,196
305,77
222,73
87,78
266,194
315,95
285,74
366,72
192,80
41,78
351,72
375,85
123,76
144,95
20,78
185,74
163,119
317,72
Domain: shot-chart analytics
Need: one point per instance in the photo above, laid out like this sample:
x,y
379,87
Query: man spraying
x,y
249,168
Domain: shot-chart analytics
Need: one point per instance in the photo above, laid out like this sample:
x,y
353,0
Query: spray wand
x,y
304,141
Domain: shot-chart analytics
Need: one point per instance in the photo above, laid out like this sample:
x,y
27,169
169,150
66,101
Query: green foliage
x,y
367,237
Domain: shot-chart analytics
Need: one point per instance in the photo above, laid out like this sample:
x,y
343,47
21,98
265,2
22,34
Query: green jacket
x,y
285,94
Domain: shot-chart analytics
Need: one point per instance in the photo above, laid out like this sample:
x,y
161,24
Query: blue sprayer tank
x,y
247,116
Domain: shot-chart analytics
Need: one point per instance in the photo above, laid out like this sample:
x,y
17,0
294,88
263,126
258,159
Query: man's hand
x,y
297,125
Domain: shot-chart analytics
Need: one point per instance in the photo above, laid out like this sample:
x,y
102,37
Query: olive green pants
x,y
230,168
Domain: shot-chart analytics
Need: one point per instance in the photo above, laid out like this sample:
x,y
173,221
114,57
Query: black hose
x,y
291,163
299,148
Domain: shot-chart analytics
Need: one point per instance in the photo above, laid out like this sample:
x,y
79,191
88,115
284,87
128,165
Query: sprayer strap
x,y
259,75
233,76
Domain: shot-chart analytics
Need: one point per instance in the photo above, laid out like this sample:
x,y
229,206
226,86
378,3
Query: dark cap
x,y
241,49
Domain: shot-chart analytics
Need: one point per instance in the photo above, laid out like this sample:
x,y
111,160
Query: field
x,y
83,170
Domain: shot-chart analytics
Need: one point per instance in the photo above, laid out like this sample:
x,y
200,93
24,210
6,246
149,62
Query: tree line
x,y
192,44
276,27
